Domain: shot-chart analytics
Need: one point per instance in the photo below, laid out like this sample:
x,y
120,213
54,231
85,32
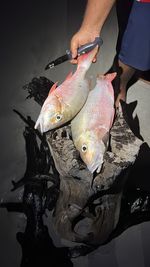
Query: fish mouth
x,y
40,124
96,165
92,168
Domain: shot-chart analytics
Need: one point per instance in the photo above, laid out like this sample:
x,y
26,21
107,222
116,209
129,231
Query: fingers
x,y
74,46
95,58
74,61
81,38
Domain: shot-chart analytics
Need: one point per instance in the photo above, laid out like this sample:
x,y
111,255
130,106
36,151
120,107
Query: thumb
x,y
95,58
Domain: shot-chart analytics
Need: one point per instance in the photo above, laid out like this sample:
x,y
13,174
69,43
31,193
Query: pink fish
x,y
66,100
90,128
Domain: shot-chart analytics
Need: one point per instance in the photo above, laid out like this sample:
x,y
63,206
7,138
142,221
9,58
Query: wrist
x,y
93,32
91,27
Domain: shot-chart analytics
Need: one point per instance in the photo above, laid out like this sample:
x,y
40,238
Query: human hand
x,y
82,37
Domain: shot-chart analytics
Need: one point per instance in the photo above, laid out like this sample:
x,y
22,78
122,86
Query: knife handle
x,y
87,47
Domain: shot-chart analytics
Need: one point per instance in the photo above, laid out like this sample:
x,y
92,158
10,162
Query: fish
x,y
91,126
66,100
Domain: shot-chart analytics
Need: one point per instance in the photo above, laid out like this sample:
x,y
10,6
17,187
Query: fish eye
x,y
84,148
58,117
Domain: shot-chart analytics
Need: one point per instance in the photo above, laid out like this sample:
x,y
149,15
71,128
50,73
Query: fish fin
x,y
101,131
109,77
86,59
69,75
54,86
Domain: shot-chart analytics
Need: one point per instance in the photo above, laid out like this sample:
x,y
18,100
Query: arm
x,y
95,15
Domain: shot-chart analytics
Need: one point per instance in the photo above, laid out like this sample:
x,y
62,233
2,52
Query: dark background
x,y
32,33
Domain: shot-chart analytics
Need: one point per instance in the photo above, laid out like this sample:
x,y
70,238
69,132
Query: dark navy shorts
x,y
135,47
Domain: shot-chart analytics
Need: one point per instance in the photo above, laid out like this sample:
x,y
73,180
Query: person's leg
x,y
123,9
134,49
126,74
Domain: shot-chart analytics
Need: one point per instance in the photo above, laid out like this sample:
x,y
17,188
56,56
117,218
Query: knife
x,y
81,50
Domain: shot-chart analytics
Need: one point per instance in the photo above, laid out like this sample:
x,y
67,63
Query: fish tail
x,y
85,60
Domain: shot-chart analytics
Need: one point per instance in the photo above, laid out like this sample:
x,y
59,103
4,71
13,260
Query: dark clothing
x,y
134,36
